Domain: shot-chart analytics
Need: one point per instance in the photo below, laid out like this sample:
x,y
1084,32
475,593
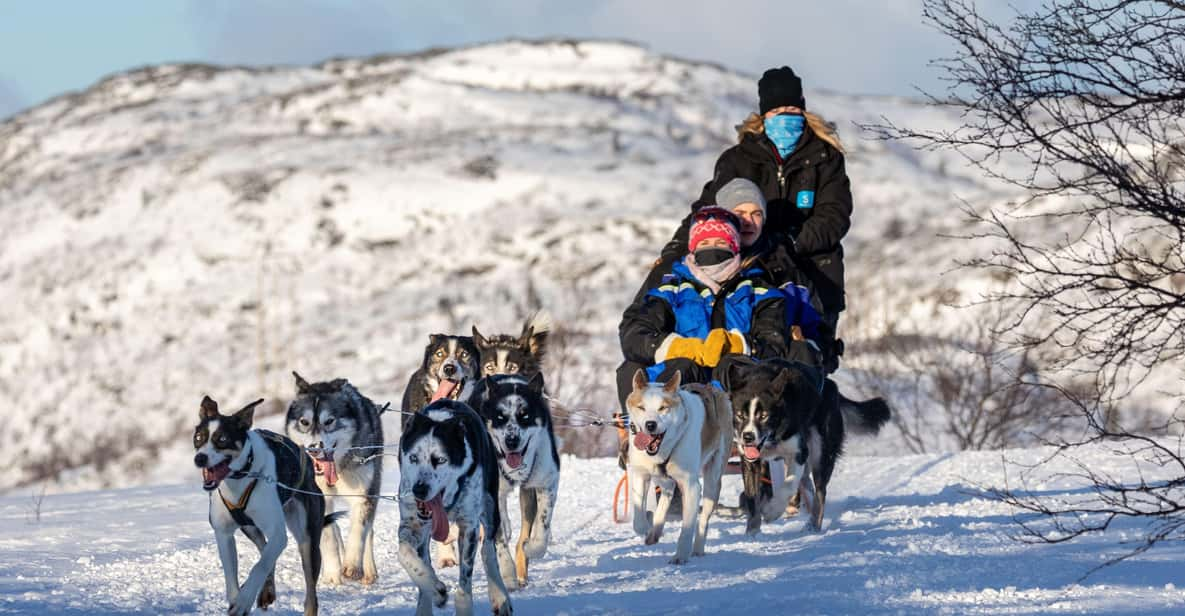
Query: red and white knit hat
x,y
710,222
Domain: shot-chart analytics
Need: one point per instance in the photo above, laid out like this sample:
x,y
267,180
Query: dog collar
x,y
246,470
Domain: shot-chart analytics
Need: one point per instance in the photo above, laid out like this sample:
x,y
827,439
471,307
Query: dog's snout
x,y
748,437
200,460
651,426
449,370
420,490
513,441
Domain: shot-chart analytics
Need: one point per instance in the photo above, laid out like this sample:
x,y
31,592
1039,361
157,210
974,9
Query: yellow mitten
x,y
690,348
736,343
715,345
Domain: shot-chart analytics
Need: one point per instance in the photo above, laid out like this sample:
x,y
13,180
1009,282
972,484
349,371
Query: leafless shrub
x,y
962,394
1122,491
37,499
1080,103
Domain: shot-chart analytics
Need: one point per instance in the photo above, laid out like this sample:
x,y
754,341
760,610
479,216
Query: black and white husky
x,y
509,354
519,421
449,370
781,415
449,473
340,430
242,469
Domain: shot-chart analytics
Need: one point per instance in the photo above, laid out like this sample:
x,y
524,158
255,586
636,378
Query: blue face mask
x,y
784,131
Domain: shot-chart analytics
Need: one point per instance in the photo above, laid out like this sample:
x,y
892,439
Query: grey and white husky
x,y
449,474
340,430
259,482
519,421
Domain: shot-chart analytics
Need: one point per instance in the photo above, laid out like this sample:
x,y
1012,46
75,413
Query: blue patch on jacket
x,y
805,199
800,311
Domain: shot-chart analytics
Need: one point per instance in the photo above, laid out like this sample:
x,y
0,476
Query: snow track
x,y
908,535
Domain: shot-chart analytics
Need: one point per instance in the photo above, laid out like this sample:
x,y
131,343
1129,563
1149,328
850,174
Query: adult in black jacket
x,y
807,192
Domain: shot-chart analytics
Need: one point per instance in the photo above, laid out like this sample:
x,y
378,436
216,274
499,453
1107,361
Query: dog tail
x,y
540,322
335,516
865,417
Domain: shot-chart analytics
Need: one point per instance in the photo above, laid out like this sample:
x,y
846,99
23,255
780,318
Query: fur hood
x,y
755,125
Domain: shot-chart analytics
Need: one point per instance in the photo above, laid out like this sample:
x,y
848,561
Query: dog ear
x,y
536,383
479,339
778,385
302,386
640,380
246,415
434,339
672,385
338,383
209,408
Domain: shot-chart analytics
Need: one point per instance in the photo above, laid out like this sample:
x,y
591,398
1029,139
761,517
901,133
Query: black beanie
x,y
780,87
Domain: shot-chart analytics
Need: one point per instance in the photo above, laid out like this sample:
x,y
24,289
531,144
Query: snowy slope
x,y
184,230
903,535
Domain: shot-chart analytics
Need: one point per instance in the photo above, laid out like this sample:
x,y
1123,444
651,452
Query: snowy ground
x,y
906,535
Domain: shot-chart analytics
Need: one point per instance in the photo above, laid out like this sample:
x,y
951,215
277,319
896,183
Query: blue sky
x,y
49,47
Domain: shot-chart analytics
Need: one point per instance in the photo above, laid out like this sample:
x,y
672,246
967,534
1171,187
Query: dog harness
x,y
291,470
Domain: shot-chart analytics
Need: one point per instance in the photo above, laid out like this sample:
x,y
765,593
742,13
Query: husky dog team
x,y
727,346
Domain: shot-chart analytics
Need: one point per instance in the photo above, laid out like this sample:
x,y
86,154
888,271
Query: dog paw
x,y
678,560
370,578
654,535
444,562
502,609
351,572
440,594
267,596
330,578
241,606
536,548
753,526
641,527
791,510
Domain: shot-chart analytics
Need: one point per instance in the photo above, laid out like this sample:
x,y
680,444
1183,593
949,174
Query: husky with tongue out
x,y
340,431
259,482
449,473
449,370
519,421
784,415
680,435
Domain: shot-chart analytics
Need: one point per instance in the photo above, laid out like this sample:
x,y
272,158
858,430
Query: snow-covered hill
x,y
903,535
184,230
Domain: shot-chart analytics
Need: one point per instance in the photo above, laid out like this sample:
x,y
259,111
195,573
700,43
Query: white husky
x,y
676,438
